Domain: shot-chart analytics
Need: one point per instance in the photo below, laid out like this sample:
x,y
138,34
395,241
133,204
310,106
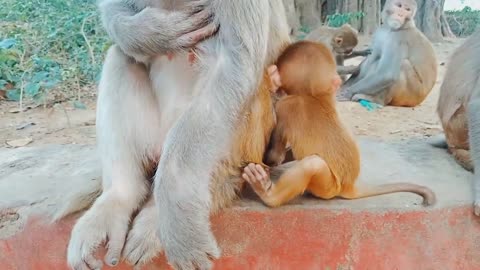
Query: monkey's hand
x,y
154,31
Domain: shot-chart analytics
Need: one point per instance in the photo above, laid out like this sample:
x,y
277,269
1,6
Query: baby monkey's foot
x,y
258,178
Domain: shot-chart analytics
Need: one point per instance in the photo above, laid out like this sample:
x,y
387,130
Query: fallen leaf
x,y
89,123
19,142
25,125
17,110
26,108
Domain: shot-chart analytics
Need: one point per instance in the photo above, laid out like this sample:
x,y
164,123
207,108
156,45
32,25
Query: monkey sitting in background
x,y
402,69
327,156
341,41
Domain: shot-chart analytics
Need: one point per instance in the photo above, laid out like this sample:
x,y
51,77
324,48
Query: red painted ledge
x,y
296,237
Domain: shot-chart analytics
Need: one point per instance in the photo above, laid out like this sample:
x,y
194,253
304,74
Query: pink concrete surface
x,y
296,238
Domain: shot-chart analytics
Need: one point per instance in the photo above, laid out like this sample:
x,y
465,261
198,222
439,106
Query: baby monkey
x,y
327,158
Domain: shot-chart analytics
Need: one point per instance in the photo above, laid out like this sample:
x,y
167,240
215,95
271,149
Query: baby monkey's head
x,y
305,68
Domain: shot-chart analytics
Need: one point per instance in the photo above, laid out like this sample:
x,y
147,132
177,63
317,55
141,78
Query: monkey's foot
x,y
107,219
258,179
143,244
343,94
366,102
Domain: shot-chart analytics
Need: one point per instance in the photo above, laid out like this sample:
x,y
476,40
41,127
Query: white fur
x,y
188,116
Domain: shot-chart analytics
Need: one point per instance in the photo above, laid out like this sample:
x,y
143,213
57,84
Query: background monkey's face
x,y
399,12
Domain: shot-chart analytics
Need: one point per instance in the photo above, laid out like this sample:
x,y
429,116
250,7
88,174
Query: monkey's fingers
x,y
93,263
196,6
248,175
191,39
116,242
476,208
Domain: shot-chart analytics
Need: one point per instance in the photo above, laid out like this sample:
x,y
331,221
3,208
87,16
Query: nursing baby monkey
x,y
327,156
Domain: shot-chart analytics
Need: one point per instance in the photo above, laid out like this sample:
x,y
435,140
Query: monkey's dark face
x,y
345,43
399,12
345,50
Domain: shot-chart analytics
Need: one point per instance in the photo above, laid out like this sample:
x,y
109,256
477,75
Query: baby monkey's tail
x,y
429,197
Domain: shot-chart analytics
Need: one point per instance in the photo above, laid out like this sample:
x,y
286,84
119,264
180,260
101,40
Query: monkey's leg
x,y
456,135
310,173
123,90
231,73
462,157
473,114
408,90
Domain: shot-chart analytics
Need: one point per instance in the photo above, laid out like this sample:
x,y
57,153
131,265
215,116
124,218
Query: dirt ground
x,y
64,124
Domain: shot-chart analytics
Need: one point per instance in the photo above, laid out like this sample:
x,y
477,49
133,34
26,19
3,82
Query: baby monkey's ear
x,y
274,78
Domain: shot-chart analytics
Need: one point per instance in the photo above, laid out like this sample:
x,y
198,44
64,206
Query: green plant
x,y
339,19
49,44
334,20
463,22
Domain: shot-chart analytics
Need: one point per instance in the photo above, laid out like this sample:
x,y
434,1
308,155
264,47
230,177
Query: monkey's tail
x,y
79,199
438,141
429,197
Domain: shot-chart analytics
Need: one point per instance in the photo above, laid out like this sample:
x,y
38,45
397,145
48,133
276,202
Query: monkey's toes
x,y
476,208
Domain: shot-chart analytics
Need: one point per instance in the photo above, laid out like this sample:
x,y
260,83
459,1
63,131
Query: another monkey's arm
x,y
199,138
345,70
474,137
277,148
363,53
387,71
142,31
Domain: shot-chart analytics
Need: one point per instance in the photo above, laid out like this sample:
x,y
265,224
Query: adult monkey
x,y
402,69
459,109
150,105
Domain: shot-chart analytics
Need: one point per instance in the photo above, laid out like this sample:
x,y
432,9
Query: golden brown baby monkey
x,y
327,158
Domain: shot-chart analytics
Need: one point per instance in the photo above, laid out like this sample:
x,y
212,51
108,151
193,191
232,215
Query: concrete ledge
x,y
387,232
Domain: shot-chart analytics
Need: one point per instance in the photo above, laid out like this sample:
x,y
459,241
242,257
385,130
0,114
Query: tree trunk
x,y
430,19
292,16
372,17
309,14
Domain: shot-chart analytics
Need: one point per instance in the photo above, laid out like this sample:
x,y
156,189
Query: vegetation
x,y
335,20
463,22
49,44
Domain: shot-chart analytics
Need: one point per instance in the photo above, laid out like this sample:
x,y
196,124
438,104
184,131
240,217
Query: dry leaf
x,y
16,110
26,108
20,142
25,125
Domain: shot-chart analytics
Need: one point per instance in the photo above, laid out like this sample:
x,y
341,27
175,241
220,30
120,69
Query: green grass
x,y
49,44
463,22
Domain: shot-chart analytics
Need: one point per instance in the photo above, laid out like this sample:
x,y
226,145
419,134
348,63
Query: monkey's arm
x,y
277,148
474,137
345,70
142,31
199,138
386,72
363,53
